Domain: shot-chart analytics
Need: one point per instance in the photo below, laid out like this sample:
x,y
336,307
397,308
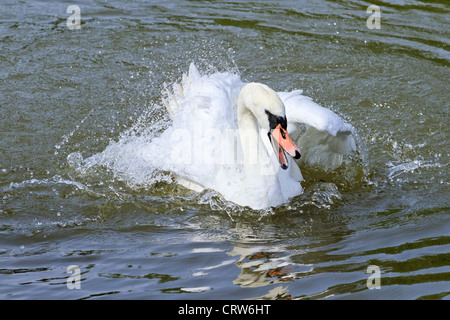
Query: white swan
x,y
233,137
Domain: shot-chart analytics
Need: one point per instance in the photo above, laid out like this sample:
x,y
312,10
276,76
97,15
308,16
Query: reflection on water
x,y
263,266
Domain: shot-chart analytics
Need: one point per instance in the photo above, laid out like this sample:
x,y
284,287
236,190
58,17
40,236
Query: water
x,y
67,96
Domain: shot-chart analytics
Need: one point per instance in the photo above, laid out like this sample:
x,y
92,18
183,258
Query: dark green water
x,y
66,93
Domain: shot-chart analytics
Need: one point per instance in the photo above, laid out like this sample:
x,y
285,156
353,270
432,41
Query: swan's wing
x,y
204,125
327,137
207,98
174,97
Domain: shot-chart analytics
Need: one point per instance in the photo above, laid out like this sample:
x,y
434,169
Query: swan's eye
x,y
283,133
275,120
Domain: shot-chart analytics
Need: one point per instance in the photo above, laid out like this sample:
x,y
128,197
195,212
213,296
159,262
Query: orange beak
x,y
281,143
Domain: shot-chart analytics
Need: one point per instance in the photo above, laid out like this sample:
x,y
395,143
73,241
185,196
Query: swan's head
x,y
281,142
269,110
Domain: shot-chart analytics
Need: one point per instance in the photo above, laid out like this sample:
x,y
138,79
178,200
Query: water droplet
x,y
74,159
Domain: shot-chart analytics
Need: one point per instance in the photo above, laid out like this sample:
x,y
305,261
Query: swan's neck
x,y
257,161
260,184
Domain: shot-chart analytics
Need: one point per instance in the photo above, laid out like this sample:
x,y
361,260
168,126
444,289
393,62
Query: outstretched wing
x,y
327,137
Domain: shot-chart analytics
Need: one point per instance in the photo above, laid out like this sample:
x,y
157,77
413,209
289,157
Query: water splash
x,y
396,170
